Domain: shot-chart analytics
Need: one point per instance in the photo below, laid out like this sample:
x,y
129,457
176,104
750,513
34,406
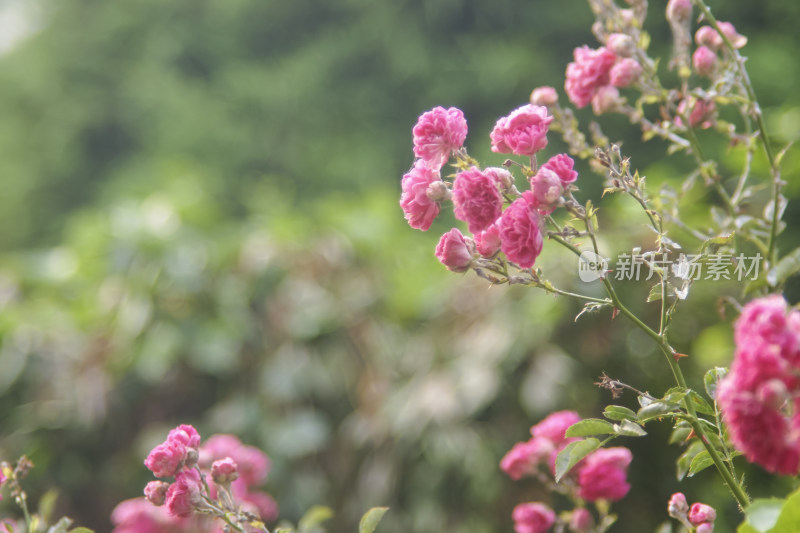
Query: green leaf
x,y
716,242
700,404
789,520
626,428
680,432
762,516
685,460
655,410
786,267
81,530
590,426
619,413
674,395
572,454
711,380
284,530
701,461
46,504
314,517
371,519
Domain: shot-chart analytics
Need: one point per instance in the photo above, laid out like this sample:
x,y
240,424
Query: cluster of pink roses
x,y
760,396
699,516
594,76
480,195
602,475
199,475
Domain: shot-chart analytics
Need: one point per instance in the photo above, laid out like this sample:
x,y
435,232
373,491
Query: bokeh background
x,y
199,224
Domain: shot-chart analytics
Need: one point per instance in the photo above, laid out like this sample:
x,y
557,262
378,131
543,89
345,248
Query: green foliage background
x,y
200,225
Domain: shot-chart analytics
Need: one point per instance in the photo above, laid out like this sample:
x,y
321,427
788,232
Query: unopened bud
x,y
546,96
156,492
605,99
438,191
191,457
678,507
701,513
621,44
704,61
679,10
627,16
708,36
224,471
733,36
625,72
581,520
501,176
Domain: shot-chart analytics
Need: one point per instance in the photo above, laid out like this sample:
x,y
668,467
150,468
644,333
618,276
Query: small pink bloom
x,y
705,527
523,132
186,435
729,31
701,513
708,36
524,457
487,242
621,44
555,425
590,71
184,493
562,164
437,134
503,178
547,189
604,475
679,10
581,520
532,518
137,515
476,199
625,72
704,61
455,251
702,114
520,236
156,492
678,507
545,96
253,464
605,99
419,208
165,459
224,470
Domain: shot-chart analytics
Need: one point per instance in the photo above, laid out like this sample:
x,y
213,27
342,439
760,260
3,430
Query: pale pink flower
x,y
455,251
476,199
520,236
604,475
704,61
678,507
730,32
625,72
253,464
523,132
524,458
581,520
532,518
679,10
705,527
437,134
555,425
165,459
562,165
418,207
701,513
156,492
184,493
503,178
546,96
137,515
487,242
621,44
708,36
590,71
546,187
605,99
224,470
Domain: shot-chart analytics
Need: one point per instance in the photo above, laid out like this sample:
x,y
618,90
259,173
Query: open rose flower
x,y
437,134
523,132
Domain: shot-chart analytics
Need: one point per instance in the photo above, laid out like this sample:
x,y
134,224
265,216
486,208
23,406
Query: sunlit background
x,y
199,224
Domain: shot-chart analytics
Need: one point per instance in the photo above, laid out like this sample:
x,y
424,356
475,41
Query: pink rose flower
x,y
702,114
625,72
253,464
581,520
524,457
555,425
701,513
184,493
604,475
224,470
546,96
186,435
704,61
156,492
165,459
418,207
137,515
520,236
476,199
605,99
455,251
562,165
705,527
523,132
546,187
590,71
437,134
487,242
532,518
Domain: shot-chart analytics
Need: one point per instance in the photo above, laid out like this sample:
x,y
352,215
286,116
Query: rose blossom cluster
x,y
197,482
602,475
760,396
596,74
499,217
699,516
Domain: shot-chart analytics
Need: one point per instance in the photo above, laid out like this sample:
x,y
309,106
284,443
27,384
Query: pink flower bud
x,y
581,520
455,251
729,31
679,10
625,72
224,471
705,527
708,36
533,518
545,96
605,99
678,506
547,189
504,178
621,44
487,242
438,191
704,61
156,492
184,494
701,513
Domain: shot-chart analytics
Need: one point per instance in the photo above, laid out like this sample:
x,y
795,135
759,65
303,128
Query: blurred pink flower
x,y
625,72
532,518
555,425
545,96
524,457
604,475
590,71
704,61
